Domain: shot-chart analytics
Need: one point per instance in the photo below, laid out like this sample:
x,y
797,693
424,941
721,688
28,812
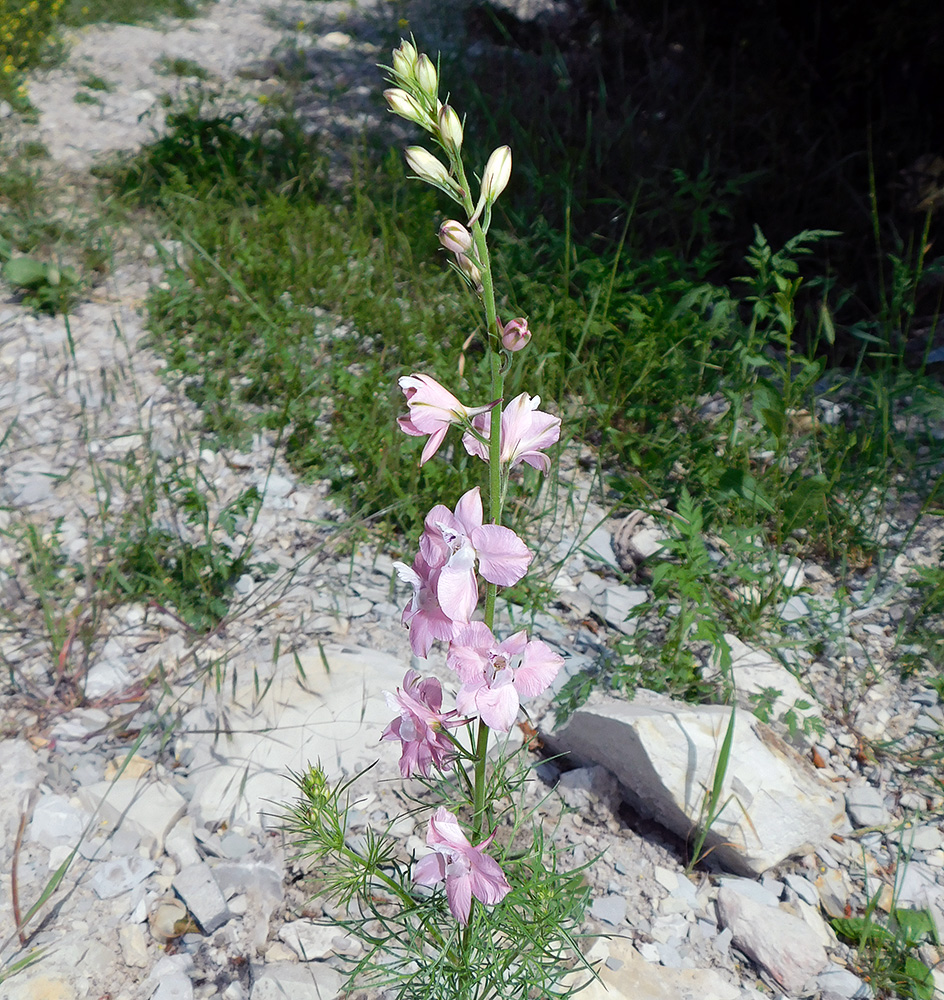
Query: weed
x,y
98,83
172,550
885,951
77,13
45,287
180,67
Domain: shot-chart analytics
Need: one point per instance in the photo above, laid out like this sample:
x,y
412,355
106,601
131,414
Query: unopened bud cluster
x,y
415,97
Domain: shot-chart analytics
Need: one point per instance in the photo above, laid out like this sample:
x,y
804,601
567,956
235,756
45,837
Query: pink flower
x,y
525,430
432,409
515,334
497,675
420,725
455,541
423,616
466,870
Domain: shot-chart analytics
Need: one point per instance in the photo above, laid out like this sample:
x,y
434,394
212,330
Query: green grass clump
x,y
77,13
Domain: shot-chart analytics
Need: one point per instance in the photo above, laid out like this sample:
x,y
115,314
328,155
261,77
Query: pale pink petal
x,y
514,645
467,697
430,403
459,894
433,548
458,591
469,510
429,691
430,870
539,667
503,557
487,879
472,444
468,653
432,445
408,427
536,459
443,831
498,706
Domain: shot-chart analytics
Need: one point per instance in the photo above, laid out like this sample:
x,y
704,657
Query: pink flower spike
x,y
525,432
466,870
420,725
456,541
497,675
432,409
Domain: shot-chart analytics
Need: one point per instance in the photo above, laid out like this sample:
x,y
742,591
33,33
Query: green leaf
x,y
742,484
829,330
769,408
921,977
862,930
916,926
806,497
25,272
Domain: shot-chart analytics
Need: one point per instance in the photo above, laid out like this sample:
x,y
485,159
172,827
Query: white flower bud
x,y
494,180
404,60
472,273
497,173
426,77
402,104
428,168
450,129
455,237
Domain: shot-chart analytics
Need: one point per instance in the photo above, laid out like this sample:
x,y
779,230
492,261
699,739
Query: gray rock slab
x,y
803,887
610,909
259,883
866,806
625,975
198,889
752,890
290,981
181,845
310,939
784,945
840,982
148,806
120,875
20,774
335,716
663,752
55,821
614,604
756,670
590,790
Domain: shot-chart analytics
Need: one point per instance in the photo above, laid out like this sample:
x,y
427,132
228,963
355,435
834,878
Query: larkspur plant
x,y
488,913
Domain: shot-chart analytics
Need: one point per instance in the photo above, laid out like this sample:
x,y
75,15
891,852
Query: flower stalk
x,y
490,893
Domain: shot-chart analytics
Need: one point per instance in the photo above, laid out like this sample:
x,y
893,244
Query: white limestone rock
x,y
148,807
755,671
335,716
785,945
663,752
